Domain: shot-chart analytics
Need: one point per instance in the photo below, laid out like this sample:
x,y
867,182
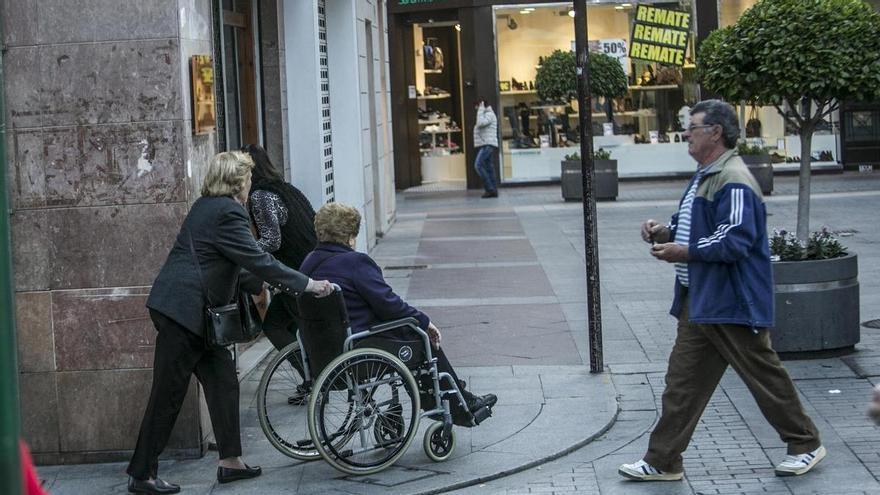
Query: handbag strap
x,y
192,250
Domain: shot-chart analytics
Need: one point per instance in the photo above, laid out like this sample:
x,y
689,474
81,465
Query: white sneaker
x,y
642,471
796,465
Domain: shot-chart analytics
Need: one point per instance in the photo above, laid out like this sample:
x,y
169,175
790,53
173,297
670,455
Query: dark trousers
x,y
484,165
280,322
280,326
180,353
699,358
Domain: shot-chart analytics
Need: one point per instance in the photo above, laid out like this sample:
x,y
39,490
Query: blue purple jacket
x,y
731,279
368,298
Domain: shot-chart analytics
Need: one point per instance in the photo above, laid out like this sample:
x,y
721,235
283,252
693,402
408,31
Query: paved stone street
x,y
504,280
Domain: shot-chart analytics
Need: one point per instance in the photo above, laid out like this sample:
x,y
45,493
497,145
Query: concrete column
x,y
103,167
348,108
304,104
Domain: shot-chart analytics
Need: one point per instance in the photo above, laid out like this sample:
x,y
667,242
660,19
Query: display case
x,y
439,104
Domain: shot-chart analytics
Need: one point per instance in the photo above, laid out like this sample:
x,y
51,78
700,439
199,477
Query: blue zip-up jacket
x,y
729,271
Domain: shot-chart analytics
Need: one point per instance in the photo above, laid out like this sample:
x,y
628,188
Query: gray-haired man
x,y
724,304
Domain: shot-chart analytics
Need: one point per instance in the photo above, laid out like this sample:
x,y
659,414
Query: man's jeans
x,y
484,166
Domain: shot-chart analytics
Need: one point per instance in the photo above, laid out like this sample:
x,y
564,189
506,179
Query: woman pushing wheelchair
x,y
371,301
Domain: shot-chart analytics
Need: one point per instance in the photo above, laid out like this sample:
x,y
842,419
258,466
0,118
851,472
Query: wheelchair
x,y
362,410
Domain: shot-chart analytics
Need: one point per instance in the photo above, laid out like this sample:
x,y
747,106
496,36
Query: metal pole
x,y
10,464
585,118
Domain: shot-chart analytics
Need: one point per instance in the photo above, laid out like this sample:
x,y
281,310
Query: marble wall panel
x,y
101,329
26,167
98,165
114,246
22,79
38,398
195,19
199,151
31,261
95,83
102,410
105,20
19,22
33,331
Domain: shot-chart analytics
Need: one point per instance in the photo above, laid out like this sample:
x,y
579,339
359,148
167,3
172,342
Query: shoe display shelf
x,y
442,160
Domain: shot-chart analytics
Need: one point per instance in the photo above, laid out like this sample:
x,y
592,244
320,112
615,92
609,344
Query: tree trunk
x,y
609,110
803,210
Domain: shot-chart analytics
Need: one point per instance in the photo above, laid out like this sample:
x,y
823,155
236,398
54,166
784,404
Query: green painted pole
x,y
10,464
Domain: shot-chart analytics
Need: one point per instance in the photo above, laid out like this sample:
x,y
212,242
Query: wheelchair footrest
x,y
482,414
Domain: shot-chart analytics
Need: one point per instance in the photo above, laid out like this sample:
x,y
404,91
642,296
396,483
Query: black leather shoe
x,y
151,486
490,194
226,475
487,400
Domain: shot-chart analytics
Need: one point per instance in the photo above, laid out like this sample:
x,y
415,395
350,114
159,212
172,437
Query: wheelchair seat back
x,y
411,352
324,326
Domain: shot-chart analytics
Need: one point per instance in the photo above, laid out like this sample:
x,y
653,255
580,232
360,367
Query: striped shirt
x,y
683,229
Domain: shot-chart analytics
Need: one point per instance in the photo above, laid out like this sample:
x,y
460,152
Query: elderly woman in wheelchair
x,y
369,365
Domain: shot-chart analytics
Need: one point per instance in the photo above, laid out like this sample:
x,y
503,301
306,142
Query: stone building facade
x,y
103,165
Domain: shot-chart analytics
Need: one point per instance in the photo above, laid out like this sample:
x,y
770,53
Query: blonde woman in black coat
x,y
216,235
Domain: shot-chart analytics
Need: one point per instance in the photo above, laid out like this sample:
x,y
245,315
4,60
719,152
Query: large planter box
x,y
604,180
817,305
762,169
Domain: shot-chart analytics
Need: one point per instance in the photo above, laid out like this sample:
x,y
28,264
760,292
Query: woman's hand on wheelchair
x,y
320,288
434,335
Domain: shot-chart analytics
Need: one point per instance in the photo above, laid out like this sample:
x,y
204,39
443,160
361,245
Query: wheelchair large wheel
x,y
282,405
364,411
438,447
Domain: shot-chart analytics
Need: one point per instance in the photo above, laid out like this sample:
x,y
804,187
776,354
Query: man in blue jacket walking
x,y
724,304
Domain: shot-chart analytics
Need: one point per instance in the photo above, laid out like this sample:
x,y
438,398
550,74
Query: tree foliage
x,y
787,50
807,54
556,79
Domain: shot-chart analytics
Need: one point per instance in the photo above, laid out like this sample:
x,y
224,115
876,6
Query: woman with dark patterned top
x,y
285,223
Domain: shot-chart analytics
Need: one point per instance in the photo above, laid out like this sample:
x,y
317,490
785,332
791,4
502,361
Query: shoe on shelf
x,y
227,475
300,397
642,471
153,486
796,465
490,194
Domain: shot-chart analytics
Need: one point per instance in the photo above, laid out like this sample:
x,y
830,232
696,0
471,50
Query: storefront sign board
x,y
660,35
204,111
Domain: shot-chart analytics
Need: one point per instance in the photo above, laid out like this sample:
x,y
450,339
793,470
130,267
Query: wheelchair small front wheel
x,y
439,446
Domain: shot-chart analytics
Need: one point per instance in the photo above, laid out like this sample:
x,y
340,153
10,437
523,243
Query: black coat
x,y
224,244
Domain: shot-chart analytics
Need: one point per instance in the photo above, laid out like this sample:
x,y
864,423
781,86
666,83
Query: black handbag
x,y
234,323
753,126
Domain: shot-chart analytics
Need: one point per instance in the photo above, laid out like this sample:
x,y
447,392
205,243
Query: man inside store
x,y
723,300
486,144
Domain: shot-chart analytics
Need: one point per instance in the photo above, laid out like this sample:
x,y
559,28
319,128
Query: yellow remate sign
x,y
660,35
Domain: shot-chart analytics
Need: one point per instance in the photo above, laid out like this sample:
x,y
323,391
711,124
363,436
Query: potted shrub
x,y
808,56
604,180
759,163
816,294
556,78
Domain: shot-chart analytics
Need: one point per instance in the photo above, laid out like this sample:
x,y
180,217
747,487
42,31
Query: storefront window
x,y
645,126
438,91
764,127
